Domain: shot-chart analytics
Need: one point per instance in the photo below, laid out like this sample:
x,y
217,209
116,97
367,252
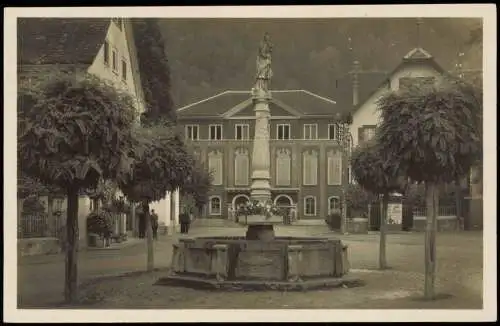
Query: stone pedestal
x,y
261,231
261,161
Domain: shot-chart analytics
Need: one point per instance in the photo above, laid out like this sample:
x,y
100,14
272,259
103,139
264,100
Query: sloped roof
x,y
60,40
302,101
215,105
368,82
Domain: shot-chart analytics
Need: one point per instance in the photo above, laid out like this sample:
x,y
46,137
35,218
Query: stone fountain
x,y
260,260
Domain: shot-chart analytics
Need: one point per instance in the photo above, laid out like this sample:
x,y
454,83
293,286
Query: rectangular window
x,y
365,133
334,168
283,166
215,206
192,132
241,167
106,53
215,132
333,132
118,22
215,166
310,168
124,70
242,132
283,131
310,131
333,204
310,206
421,81
114,61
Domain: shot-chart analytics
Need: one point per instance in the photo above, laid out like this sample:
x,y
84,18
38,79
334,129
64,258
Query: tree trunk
x,y
432,201
71,277
458,203
20,230
382,261
149,239
50,216
369,215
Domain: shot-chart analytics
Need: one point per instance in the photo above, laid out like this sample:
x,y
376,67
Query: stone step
x,y
212,222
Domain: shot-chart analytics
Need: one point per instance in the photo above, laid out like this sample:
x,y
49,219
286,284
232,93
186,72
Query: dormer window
x,y
118,22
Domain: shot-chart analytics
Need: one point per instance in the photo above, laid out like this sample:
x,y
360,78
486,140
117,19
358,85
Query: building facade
x,y
103,47
306,165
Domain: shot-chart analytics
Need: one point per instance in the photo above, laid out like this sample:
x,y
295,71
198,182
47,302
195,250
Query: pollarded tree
x,y
433,135
77,132
373,173
198,185
162,163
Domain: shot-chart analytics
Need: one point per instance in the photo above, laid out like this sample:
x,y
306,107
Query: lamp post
x,y
345,140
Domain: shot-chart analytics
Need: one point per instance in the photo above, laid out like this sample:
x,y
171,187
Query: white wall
x,y
117,40
368,114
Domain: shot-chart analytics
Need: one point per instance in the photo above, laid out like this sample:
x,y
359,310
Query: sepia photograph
x,y
252,161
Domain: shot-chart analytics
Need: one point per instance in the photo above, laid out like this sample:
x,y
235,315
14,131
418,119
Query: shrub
x,y
333,220
99,223
32,206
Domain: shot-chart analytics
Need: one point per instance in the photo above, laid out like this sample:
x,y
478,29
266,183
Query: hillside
x,y
207,56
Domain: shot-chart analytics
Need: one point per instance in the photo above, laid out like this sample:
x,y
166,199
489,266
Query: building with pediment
x,y
306,163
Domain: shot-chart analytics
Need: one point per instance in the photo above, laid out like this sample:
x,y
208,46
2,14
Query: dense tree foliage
x,y
432,135
155,72
198,185
162,164
373,173
77,131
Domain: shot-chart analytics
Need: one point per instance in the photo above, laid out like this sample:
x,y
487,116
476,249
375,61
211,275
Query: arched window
x,y
215,165
333,203
310,168
334,163
215,206
310,206
283,167
241,167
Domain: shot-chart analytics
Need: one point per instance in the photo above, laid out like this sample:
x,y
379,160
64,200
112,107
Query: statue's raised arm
x,y
264,71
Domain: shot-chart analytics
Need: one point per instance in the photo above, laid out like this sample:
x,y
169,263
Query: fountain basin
x,y
290,263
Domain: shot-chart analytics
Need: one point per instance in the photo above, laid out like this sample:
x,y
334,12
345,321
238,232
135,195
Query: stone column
x,y
176,206
261,188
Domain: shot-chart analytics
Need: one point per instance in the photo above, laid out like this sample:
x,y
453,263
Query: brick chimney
x,y
355,82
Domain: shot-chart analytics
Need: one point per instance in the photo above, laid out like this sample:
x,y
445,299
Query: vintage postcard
x,y
278,163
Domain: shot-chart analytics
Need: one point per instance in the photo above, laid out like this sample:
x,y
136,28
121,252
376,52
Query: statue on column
x,y
264,71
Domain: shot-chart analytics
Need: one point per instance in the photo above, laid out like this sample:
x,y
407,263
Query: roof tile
x,y
60,40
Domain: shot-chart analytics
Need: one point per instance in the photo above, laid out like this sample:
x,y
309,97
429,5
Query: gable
x,y
124,76
275,110
367,113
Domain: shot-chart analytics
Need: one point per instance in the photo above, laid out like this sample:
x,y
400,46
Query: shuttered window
x,y
310,168
241,167
215,165
334,164
283,167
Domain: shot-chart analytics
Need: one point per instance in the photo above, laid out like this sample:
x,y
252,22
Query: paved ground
x,y
459,274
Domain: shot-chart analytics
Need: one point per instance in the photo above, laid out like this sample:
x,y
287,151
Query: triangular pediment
x,y
275,110
417,54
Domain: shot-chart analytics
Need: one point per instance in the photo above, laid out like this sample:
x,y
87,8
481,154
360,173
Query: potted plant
x,y
256,208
